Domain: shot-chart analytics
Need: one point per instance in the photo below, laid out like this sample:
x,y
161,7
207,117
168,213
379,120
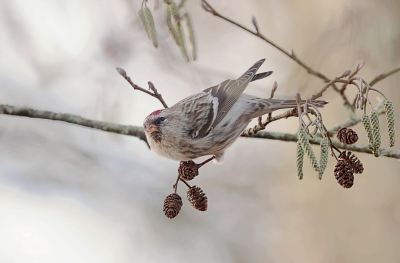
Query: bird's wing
x,y
229,91
208,108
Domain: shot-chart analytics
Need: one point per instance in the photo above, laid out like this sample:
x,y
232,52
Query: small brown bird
x,y
209,122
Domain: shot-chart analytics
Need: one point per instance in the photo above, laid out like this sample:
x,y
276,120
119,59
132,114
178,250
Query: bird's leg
x,y
206,161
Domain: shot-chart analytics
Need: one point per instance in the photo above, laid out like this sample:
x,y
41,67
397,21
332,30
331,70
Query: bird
x,y
207,123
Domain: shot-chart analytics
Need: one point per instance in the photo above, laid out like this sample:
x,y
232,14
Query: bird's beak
x,y
151,128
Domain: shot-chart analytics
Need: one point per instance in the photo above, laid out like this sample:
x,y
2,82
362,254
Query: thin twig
x,y
379,78
154,92
261,126
188,185
353,120
383,76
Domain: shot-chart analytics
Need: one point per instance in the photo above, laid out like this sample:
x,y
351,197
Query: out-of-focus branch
x,y
139,132
383,76
154,92
331,83
257,33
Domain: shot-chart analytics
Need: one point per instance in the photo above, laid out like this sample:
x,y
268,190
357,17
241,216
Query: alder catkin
x,y
148,23
192,39
305,144
299,160
389,109
324,157
368,129
376,132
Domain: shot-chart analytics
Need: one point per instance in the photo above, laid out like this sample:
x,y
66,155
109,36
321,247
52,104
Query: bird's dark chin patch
x,y
156,136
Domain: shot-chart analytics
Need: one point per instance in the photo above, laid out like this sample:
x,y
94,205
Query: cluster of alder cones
x,y
197,198
348,164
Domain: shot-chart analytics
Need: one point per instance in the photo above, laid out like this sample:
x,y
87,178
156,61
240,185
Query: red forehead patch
x,y
155,112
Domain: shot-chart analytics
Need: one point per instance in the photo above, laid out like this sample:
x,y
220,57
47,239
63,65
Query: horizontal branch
x,y
74,119
317,140
139,132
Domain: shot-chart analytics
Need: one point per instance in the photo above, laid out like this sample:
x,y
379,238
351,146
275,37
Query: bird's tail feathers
x,y
265,106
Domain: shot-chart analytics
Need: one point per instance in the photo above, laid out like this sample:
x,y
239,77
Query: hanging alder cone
x,y
188,170
172,205
351,159
197,198
347,136
344,174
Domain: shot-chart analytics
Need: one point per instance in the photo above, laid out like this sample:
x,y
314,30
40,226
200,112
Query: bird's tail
x,y
265,106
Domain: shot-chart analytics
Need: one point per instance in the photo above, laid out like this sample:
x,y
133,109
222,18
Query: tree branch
x,y
383,76
74,119
139,132
154,94
317,140
256,33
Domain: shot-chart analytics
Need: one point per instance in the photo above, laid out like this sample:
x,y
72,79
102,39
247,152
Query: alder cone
x,y
344,174
188,170
347,136
197,198
172,205
354,162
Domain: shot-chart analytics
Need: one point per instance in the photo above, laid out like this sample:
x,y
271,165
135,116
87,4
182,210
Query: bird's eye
x,y
162,119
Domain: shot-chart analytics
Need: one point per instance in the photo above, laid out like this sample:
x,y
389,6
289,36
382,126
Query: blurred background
x,y
73,194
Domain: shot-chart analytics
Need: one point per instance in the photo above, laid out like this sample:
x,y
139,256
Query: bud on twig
x,y
274,88
360,64
345,74
207,7
121,71
255,24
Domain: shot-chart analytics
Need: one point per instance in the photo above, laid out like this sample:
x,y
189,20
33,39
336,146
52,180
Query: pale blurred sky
x,y
71,194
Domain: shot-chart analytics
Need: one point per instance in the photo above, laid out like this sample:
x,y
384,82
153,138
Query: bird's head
x,y
156,125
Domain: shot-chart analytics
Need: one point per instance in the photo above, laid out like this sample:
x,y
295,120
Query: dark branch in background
x,y
154,94
293,56
383,75
139,132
